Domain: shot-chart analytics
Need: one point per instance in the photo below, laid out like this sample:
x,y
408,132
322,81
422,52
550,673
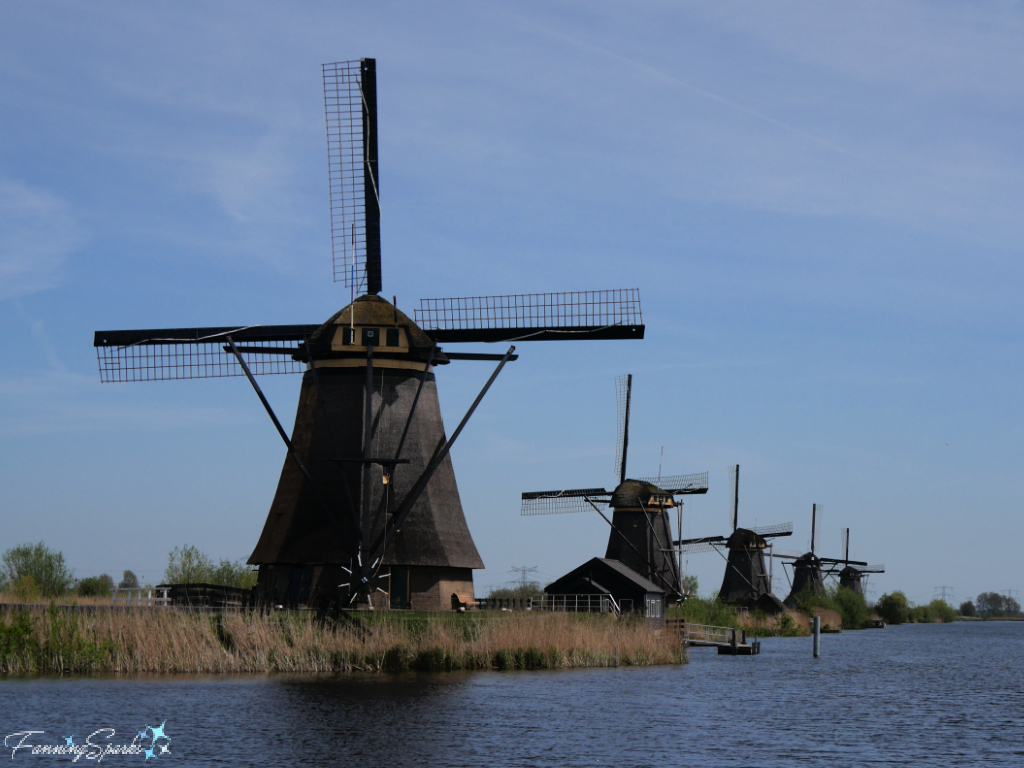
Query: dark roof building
x,y
603,576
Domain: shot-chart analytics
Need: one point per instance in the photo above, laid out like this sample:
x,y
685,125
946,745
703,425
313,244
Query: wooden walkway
x,y
728,641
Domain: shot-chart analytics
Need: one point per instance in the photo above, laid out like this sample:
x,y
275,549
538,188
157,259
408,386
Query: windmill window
x,y
371,337
348,336
391,337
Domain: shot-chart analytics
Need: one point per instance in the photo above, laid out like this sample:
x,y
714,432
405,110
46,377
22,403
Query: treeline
x,y
991,605
895,608
33,572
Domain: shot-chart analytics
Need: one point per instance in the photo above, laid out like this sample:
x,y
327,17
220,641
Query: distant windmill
x,y
367,511
810,570
851,576
747,579
641,531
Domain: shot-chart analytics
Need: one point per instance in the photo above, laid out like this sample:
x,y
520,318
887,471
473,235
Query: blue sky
x,y
820,206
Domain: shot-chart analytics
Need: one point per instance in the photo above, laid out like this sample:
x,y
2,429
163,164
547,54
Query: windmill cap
x,y
635,493
376,311
743,538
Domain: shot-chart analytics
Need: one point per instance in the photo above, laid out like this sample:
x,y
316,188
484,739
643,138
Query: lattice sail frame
x,y
731,474
352,172
563,311
197,353
622,395
563,502
767,531
680,484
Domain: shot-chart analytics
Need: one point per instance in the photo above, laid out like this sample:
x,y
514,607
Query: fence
x,y
140,596
561,603
706,634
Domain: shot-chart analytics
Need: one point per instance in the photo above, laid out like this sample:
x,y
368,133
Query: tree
x,y
690,584
96,586
968,609
894,608
46,568
128,581
187,565
991,605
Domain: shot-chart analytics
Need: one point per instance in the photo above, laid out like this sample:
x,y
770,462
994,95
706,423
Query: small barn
x,y
606,577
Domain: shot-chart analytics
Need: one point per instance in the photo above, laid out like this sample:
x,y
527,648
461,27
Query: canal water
x,y
949,695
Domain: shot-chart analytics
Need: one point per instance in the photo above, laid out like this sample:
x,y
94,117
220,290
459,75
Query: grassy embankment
x,y
838,606
49,640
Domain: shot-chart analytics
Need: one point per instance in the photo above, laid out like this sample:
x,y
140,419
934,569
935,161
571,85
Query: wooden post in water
x,y
817,636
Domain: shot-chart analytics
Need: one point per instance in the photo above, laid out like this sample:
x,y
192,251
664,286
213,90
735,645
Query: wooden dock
x,y
728,641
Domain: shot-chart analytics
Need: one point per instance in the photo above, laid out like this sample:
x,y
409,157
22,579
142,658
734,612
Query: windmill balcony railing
x,y
150,596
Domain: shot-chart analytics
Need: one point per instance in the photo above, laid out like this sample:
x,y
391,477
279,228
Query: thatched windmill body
x,y
641,527
367,510
747,580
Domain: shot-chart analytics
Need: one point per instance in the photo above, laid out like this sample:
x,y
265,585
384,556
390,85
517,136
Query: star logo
x,y
142,733
158,733
164,749
149,754
70,740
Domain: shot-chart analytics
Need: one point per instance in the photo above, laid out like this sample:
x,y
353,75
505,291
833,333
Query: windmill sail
x,y
350,102
562,502
574,315
623,399
198,353
679,485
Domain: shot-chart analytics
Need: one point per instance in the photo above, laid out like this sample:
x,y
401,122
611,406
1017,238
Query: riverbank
x,y
145,641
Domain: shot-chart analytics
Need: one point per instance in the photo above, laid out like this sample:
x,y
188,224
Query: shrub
x,y
942,611
26,590
45,566
705,610
235,574
968,609
851,607
529,589
128,581
187,565
96,586
894,608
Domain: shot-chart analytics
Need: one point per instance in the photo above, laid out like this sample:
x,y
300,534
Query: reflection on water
x,y
918,695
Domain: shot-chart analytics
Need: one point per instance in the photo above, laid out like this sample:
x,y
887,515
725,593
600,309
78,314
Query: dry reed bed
x,y
158,641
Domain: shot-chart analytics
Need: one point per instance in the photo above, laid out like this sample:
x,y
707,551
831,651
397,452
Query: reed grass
x,y
145,641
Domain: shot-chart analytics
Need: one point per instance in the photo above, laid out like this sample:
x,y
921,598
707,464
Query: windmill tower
x,y
367,511
641,529
747,580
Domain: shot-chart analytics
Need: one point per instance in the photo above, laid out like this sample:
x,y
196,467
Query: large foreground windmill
x,y
367,497
747,579
641,531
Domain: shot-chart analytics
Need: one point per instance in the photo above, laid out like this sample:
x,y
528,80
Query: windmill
x,y
851,577
641,531
809,569
747,579
367,497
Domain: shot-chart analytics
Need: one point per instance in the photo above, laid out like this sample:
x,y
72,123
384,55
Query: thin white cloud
x,y
37,233
60,402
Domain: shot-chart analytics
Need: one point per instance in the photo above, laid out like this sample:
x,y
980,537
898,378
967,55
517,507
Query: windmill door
x,y
399,587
